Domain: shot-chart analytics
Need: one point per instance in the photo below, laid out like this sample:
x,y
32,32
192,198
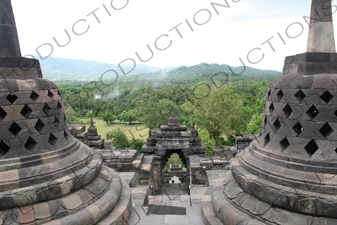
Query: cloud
x,y
119,34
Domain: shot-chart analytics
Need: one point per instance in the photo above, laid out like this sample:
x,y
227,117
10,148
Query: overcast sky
x,y
117,29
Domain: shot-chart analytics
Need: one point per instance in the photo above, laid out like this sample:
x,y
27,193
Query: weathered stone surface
x,y
174,136
46,176
287,174
321,34
9,41
321,37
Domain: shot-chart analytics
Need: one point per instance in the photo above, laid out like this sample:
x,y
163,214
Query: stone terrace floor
x,y
172,196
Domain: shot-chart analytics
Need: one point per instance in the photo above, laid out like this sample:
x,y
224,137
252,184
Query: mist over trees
x,y
222,106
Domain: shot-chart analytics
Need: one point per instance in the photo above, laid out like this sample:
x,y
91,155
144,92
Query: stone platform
x,y
226,201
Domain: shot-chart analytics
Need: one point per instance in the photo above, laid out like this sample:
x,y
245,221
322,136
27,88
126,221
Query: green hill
x,y
58,69
75,69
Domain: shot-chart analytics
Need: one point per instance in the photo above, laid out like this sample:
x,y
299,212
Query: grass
x,y
137,131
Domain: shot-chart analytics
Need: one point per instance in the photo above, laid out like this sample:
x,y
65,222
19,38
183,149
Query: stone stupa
x,y
92,138
288,175
46,175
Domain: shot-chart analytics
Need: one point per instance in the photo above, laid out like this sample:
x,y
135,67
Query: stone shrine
x,y
288,174
46,175
174,138
91,137
218,159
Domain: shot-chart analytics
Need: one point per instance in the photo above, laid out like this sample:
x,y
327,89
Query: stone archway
x,y
174,169
169,152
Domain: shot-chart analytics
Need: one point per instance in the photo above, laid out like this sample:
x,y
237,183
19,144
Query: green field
x,y
137,131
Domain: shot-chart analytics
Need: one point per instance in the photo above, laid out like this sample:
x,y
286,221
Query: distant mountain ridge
x,y
205,68
211,73
74,69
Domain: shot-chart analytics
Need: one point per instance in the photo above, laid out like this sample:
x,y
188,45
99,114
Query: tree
x,y
119,139
71,115
155,112
108,117
255,124
89,114
208,141
221,112
137,144
128,116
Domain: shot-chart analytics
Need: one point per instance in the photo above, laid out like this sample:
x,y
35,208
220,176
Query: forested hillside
x,y
75,69
58,69
221,104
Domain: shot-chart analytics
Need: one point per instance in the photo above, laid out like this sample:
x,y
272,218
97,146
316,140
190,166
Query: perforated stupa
x,y
46,176
288,175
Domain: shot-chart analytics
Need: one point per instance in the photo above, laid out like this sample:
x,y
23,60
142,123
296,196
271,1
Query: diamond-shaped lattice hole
x,y
266,140
52,140
326,130
30,144
65,119
59,106
298,128
311,148
58,92
34,96
280,95
268,93
50,94
46,109
300,96
56,122
271,108
15,129
336,150
312,112
26,111
39,125
3,114
265,121
11,97
276,125
284,144
287,111
3,148
326,97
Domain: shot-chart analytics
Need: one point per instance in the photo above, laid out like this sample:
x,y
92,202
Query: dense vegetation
x,y
220,104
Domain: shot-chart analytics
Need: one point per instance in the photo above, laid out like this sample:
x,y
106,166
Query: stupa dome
x,y
46,175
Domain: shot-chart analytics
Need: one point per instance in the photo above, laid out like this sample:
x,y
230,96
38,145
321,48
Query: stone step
x,y
139,194
138,161
145,170
146,164
131,178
